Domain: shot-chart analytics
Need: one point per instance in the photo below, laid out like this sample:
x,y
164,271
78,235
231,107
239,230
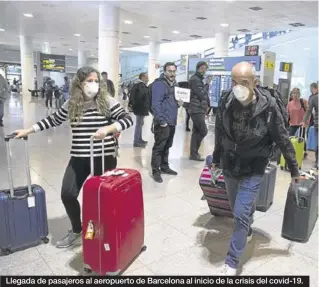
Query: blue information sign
x,y
214,91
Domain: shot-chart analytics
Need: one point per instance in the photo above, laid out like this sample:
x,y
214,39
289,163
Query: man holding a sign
x,y
199,104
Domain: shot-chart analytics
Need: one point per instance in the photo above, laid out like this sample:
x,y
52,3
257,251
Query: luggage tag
x,y
216,175
31,201
89,231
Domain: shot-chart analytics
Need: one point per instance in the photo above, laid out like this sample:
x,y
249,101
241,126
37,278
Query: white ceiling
x,y
56,21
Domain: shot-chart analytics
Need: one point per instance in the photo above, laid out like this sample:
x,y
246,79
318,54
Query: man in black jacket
x,y
139,103
248,121
109,84
198,108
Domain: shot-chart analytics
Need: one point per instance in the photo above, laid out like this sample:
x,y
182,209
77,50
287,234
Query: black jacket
x,y
110,87
139,99
250,157
199,95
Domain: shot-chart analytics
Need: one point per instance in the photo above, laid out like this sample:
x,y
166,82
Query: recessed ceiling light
x,y
2,30
147,37
201,18
129,22
77,35
224,25
28,15
70,49
46,42
92,55
176,32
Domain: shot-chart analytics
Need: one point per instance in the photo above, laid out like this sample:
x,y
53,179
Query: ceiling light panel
x,y
28,15
176,32
77,35
2,30
128,22
224,25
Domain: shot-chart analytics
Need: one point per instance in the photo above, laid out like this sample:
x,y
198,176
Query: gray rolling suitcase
x,y
267,189
301,210
23,214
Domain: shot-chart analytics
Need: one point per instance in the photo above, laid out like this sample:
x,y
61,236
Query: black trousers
x,y
188,117
48,99
164,138
293,130
75,175
199,133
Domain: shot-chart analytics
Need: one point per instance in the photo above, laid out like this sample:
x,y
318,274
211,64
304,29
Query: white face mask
x,y
91,89
241,93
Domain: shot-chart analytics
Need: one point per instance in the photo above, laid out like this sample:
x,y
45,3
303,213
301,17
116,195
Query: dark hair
x,y
314,86
104,73
65,78
141,75
169,64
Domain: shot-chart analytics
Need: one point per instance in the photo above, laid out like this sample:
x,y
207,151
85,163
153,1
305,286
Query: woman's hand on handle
x,y
101,133
23,133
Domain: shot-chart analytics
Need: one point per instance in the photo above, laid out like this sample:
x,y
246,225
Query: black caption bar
x,y
70,281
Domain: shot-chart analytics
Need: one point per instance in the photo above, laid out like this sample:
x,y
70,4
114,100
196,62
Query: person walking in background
x,y
49,90
198,107
4,93
164,108
139,104
313,109
90,112
296,109
66,88
109,84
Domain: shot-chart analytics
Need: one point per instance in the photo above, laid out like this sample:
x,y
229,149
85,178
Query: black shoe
x,y
188,129
144,142
196,158
1,124
157,177
139,145
168,171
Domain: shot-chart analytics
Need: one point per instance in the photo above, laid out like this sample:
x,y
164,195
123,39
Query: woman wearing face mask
x,y
90,111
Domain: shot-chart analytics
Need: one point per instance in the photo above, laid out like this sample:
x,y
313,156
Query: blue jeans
x,y
65,96
138,129
1,110
242,194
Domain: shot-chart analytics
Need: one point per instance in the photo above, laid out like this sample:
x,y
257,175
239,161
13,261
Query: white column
x,y
153,60
39,74
82,61
46,48
27,64
221,44
109,41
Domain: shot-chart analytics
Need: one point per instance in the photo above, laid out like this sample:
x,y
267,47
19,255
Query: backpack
x,y
150,95
302,104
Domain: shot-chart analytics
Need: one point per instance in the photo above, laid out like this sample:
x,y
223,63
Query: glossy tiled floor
x,y
181,236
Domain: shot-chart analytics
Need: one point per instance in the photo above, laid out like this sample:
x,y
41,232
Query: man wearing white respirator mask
x,y
249,120
91,111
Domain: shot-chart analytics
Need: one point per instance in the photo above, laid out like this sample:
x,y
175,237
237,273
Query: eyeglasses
x,y
171,71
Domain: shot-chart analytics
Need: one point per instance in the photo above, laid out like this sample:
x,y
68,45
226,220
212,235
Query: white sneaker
x,y
228,271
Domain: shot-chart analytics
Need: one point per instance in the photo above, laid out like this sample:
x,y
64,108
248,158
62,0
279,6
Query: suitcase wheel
x,y
6,252
46,240
144,248
87,270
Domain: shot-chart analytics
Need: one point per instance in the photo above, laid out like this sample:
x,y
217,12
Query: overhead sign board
x,y
285,67
52,63
252,50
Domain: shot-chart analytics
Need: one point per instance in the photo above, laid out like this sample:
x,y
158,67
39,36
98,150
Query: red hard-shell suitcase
x,y
113,220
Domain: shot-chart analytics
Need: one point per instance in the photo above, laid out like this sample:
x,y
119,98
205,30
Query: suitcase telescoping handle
x,y
7,139
92,155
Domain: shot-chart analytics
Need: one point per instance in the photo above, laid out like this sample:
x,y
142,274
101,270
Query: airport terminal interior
x,y
45,42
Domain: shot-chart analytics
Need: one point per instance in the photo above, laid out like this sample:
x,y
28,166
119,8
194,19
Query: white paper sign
x,y
182,94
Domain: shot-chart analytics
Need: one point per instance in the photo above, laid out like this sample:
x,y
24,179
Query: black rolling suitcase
x,y
267,189
301,210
